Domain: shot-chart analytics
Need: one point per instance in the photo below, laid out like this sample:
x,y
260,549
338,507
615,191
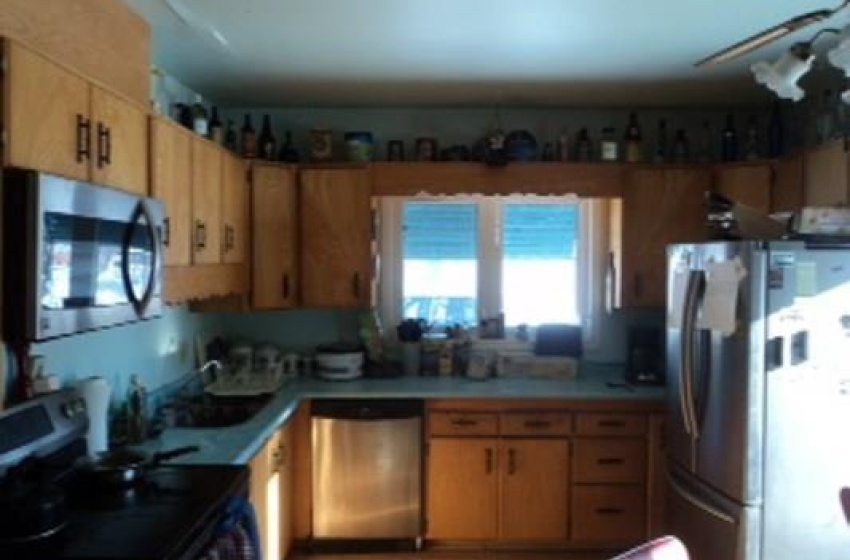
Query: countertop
x,y
237,444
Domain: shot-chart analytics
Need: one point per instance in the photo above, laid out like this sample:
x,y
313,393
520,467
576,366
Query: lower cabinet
x,y
270,492
549,476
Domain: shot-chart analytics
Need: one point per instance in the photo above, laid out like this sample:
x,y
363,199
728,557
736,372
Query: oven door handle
x,y
141,215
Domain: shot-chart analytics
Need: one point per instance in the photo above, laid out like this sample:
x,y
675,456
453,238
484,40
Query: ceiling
x,y
466,52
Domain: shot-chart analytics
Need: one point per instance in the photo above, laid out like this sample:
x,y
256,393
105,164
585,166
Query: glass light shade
x,y
781,77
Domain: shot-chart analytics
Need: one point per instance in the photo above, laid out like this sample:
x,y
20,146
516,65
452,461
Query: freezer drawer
x,y
711,526
367,471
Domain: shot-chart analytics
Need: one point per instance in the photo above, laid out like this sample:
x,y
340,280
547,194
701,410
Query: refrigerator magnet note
x,y
720,301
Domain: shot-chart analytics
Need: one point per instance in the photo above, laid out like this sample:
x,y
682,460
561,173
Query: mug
x,y
267,360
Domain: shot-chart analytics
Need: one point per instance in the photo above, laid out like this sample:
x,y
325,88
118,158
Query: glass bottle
x,y
288,153
249,138
661,151
681,147
216,129
267,145
200,122
608,147
230,136
583,151
729,140
751,145
775,134
633,141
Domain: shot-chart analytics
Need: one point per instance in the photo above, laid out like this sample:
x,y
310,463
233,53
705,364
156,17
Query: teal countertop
x,y
237,444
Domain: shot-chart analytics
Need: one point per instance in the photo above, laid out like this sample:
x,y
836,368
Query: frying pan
x,y
124,467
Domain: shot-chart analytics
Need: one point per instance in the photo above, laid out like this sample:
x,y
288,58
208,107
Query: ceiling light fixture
x,y
781,77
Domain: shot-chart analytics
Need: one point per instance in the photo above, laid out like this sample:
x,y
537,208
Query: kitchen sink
x,y
217,412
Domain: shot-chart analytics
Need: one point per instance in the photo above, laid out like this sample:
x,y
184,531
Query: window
x,y
456,260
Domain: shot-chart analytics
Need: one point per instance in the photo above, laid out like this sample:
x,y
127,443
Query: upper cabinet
x,y
234,210
660,206
58,122
206,202
336,238
748,184
274,200
825,175
171,182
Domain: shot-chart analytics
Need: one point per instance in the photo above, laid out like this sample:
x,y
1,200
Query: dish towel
x,y
237,536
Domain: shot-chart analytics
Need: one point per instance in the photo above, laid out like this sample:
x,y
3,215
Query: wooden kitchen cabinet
x,y
748,184
788,195
660,206
171,180
264,493
825,175
206,202
657,476
234,210
285,470
534,480
274,202
336,237
462,489
57,122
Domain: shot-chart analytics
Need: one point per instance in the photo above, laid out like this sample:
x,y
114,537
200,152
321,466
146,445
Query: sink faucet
x,y
209,364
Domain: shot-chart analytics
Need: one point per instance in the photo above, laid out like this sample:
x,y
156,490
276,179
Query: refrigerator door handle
x,y
689,329
697,503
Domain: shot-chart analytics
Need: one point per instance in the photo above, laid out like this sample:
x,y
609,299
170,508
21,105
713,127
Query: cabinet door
x,y
788,186
119,142
286,486
746,184
336,234
660,206
44,109
171,182
206,202
234,210
825,175
657,478
534,481
274,237
264,493
463,492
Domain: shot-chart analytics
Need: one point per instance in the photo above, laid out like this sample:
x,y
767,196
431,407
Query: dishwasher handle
x,y
367,409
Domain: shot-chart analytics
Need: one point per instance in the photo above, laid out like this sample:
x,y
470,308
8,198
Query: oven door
x,y
89,256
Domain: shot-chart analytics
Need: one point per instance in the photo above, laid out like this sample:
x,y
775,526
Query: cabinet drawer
x,y
463,424
613,514
536,424
609,460
610,424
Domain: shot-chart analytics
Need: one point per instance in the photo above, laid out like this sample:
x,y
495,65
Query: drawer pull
x,y
464,422
488,460
537,424
610,461
609,511
611,424
511,461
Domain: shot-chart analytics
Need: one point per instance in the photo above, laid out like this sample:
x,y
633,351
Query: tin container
x,y
359,146
321,144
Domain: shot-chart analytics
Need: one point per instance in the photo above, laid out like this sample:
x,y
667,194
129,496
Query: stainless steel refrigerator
x,y
758,362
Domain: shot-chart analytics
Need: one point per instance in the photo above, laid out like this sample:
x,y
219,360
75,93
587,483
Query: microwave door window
x,y
141,257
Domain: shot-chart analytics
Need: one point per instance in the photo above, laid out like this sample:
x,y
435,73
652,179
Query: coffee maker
x,y
645,356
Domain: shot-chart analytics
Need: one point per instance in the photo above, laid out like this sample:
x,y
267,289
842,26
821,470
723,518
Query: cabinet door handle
x,y
166,231
511,461
488,460
537,424
228,238
611,424
609,511
102,145
355,285
610,461
464,422
83,138
285,284
200,236
108,156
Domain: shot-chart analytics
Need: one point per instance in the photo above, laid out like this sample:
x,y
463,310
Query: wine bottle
x,y
216,129
267,145
200,122
230,136
583,148
661,152
249,138
729,140
633,140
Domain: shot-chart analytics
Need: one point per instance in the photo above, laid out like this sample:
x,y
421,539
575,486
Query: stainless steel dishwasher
x,y
367,470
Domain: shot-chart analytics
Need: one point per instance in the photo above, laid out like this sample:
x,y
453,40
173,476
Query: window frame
x,y
592,251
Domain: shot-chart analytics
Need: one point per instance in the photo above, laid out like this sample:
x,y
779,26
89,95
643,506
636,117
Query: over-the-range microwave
x,y
76,256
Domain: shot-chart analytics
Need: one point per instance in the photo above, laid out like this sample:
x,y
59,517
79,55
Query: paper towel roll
x,y
95,391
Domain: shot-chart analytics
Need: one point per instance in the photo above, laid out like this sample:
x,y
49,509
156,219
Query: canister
x,y
321,144
359,146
